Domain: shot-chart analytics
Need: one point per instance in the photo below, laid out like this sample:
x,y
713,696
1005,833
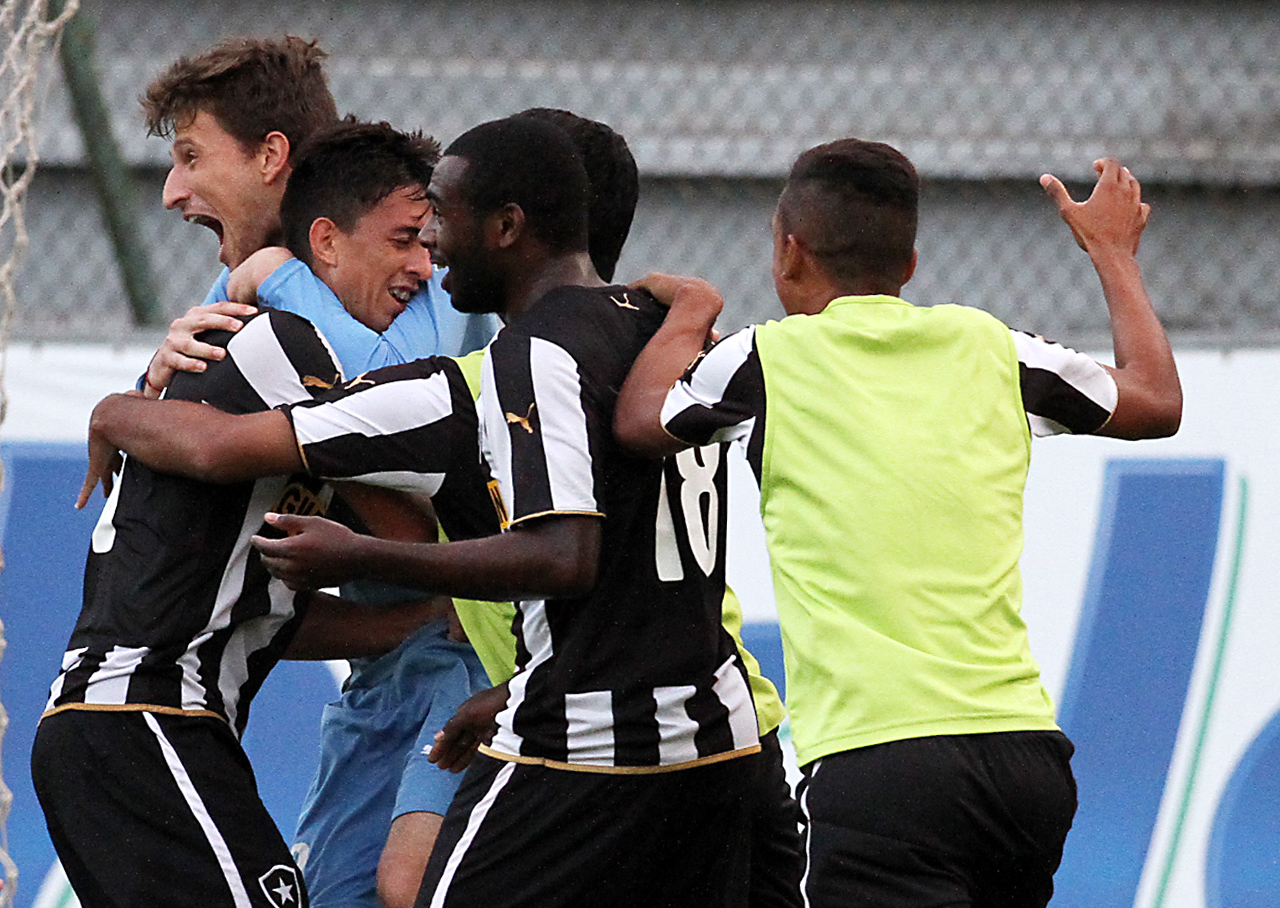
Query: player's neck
x,y
572,269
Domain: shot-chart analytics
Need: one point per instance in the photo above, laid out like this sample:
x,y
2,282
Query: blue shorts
x,y
373,762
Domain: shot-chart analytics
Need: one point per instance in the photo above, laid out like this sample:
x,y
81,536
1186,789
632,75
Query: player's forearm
x,y
637,421
197,441
553,557
1150,404
244,281
334,628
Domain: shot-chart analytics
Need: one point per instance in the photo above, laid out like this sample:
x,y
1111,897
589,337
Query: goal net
x,y
30,30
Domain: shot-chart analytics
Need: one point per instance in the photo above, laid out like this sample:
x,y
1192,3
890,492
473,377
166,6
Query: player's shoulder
x,y
288,341
592,322
416,369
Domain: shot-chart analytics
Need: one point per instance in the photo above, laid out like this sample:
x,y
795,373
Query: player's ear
x,y
792,255
273,157
911,266
505,226
323,237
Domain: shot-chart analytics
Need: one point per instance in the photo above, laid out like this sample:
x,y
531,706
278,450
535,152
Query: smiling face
x,y
455,236
376,267
217,183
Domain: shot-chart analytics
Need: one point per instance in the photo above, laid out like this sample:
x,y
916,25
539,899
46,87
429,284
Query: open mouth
x,y
205,221
401,295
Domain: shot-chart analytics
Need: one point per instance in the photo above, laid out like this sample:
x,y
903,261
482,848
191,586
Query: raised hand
x,y
1114,215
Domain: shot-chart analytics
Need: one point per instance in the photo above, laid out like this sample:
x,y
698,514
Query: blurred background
x,y
717,98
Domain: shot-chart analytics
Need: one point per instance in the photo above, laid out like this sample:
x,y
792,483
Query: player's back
x,y
895,454
178,612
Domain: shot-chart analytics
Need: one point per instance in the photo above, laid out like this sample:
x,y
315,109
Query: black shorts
x,y
159,810
957,820
777,860
520,834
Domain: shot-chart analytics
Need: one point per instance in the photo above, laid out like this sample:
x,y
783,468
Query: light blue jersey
x,y
428,326
374,739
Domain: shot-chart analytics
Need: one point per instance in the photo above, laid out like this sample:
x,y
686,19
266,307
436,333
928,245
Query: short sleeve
x,y
720,396
403,427
540,428
276,358
1063,391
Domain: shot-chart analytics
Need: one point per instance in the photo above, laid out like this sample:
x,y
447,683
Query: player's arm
x,y
188,439
334,628
472,725
182,351
694,306
244,281
553,556
1108,226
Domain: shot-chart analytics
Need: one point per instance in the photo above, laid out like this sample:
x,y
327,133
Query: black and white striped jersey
x,y
722,395
411,427
639,674
179,615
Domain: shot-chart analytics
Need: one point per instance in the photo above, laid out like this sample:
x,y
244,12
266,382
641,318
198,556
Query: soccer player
x,y
179,624
891,444
630,702
148,796
371,815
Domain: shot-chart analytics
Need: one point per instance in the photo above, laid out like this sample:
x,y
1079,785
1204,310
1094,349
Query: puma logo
x,y
624,303
310,381
358,381
522,421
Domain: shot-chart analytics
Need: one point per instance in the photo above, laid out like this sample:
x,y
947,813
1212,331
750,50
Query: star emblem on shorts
x,y
280,886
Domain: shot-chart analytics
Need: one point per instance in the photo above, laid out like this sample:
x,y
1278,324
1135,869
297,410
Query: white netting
x,y
30,38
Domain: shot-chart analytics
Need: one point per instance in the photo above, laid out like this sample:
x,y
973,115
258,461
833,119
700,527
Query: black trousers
x,y
777,860
959,820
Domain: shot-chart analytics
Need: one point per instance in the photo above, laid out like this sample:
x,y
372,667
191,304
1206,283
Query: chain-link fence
x,y
717,98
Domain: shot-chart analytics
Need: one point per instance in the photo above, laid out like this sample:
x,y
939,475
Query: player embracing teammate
x,y
891,443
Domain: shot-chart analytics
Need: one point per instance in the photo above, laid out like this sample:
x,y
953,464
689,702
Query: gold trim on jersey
x,y
555,514
620,770
499,506
132,708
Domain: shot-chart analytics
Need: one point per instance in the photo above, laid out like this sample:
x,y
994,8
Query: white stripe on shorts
x,y
219,845
478,813
808,833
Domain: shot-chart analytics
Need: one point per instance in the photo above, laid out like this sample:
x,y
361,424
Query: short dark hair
x,y
614,182
531,164
251,86
344,172
856,206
